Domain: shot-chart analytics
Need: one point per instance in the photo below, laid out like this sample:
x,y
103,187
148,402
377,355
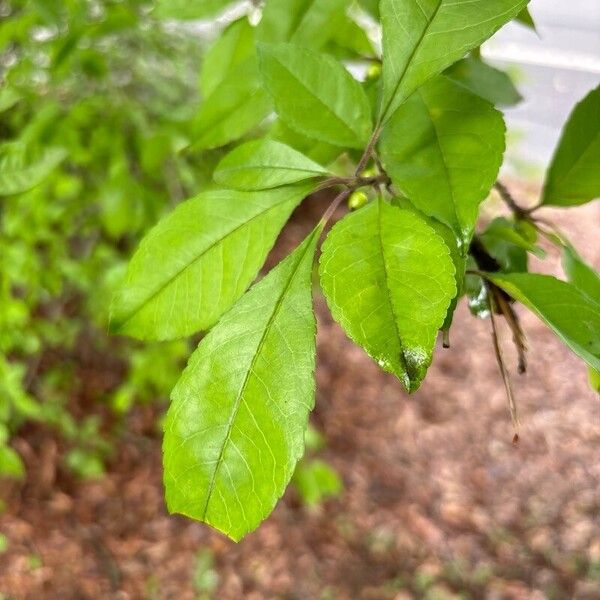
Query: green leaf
x,y
189,9
581,275
199,260
422,38
23,168
443,149
308,23
525,18
349,40
11,464
316,481
315,95
484,80
455,248
264,164
235,428
320,152
503,230
371,6
594,379
232,48
238,104
574,176
388,279
573,317
8,97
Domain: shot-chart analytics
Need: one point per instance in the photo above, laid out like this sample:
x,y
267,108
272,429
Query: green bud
x,y
356,200
374,71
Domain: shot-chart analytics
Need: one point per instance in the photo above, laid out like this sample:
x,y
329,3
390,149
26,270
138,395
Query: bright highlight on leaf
x,y
389,279
235,428
422,38
315,95
443,149
574,175
199,260
265,164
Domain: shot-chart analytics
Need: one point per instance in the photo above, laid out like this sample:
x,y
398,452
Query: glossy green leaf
x,y
423,37
574,175
443,149
580,274
23,168
573,316
388,279
308,23
189,9
265,164
199,260
232,48
235,428
315,95
238,104
484,80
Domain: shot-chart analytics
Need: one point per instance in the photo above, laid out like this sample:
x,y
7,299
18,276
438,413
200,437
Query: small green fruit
x,y
374,71
356,200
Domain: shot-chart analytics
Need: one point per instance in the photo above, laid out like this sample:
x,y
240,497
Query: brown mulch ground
x,y
438,503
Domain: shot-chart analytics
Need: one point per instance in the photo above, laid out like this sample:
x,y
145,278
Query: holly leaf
x,y
235,428
572,315
315,95
443,149
421,39
199,260
388,279
574,176
265,164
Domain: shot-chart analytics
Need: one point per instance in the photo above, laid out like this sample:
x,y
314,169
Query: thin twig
x,y
510,201
364,159
334,205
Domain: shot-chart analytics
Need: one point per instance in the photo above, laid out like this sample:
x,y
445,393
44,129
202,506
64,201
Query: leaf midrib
x,y
401,356
239,398
319,100
444,163
409,61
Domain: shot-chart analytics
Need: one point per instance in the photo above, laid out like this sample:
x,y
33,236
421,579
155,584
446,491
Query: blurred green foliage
x,y
96,98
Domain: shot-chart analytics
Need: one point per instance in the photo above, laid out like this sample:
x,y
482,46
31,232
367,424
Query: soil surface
x,y
438,502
